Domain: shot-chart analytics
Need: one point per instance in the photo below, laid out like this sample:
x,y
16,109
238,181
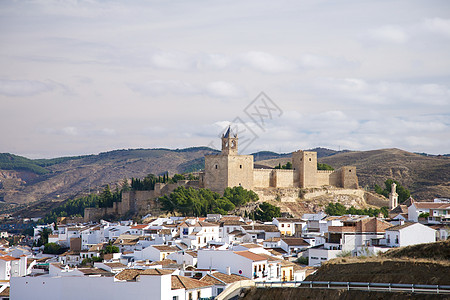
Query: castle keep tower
x,y
304,164
228,169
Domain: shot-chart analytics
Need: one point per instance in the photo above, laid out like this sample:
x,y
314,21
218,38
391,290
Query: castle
x,y
229,169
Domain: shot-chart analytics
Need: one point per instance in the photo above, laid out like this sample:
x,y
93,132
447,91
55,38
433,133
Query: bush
x,y
53,248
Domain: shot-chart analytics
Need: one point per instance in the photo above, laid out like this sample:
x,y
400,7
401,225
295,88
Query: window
x,y
216,166
396,239
309,159
198,294
349,170
219,290
175,298
240,166
190,296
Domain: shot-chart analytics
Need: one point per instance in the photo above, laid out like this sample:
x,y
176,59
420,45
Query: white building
x,y
148,284
409,234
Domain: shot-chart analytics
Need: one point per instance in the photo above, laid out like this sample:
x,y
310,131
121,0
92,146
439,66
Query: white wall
x,y
74,288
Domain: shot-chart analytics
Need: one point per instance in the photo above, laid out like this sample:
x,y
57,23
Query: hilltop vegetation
x,y
52,181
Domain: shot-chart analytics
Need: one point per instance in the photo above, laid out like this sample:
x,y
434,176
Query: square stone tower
x,y
228,169
304,164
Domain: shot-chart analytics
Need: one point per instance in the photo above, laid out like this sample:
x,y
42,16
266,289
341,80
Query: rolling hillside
x,y
50,181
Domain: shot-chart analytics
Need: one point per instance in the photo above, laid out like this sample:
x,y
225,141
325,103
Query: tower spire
x,y
229,142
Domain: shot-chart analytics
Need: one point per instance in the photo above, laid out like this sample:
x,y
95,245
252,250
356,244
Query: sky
x,y
83,77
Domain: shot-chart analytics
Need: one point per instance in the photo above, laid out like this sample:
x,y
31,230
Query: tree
x,y
44,233
335,209
111,249
266,212
321,166
106,198
53,248
403,193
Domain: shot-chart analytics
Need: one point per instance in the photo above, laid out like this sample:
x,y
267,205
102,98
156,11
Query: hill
x,y
55,180
47,182
432,267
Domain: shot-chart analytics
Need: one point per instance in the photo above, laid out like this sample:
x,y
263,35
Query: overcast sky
x,y
82,77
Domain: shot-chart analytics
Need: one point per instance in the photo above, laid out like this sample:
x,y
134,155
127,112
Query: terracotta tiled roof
x,y
266,228
139,226
251,245
250,255
181,282
95,271
5,292
131,274
398,227
165,248
192,253
295,242
221,278
8,258
114,265
273,239
431,205
290,220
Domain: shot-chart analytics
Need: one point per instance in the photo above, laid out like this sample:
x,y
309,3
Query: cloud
x,y
223,89
24,88
438,25
215,89
163,87
389,33
384,92
266,62
80,131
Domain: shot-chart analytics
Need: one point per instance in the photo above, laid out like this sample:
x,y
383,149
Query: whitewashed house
x,y
408,234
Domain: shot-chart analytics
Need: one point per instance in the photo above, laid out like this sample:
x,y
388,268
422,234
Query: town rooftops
x,y
8,258
181,282
250,245
131,274
219,278
250,255
431,205
295,242
290,220
398,227
165,248
262,227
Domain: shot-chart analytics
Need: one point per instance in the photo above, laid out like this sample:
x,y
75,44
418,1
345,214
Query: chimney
x,y
228,270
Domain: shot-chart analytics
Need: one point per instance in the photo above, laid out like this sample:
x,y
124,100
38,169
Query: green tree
x,y
335,209
321,166
111,249
403,193
266,212
44,233
53,248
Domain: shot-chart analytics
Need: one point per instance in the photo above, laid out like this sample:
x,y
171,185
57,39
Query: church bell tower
x,y
229,143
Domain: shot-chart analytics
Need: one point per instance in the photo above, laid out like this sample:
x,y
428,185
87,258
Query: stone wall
x,y
261,178
216,172
323,178
283,178
240,171
349,180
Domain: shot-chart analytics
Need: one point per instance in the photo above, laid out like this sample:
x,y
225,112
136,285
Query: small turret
x,y
229,142
393,197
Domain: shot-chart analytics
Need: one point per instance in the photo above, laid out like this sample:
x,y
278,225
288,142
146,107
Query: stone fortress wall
x,y
229,169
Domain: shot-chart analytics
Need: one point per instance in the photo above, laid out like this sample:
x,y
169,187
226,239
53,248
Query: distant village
x,y
212,257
